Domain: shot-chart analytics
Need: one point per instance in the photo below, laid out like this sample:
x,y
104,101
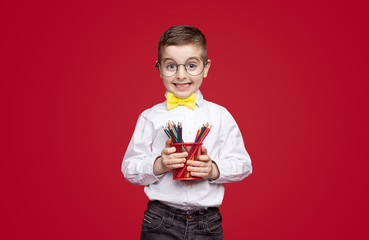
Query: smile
x,y
182,85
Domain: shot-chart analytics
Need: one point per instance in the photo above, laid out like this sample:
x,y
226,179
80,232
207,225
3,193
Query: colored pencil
x,y
174,131
192,153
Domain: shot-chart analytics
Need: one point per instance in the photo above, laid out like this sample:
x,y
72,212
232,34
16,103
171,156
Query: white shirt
x,y
224,144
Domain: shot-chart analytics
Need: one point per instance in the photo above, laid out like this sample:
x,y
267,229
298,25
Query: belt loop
x,y
169,219
202,221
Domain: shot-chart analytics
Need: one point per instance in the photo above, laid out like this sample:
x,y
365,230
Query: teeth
x,y
182,84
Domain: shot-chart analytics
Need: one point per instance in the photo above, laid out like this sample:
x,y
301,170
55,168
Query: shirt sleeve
x,y
138,161
233,161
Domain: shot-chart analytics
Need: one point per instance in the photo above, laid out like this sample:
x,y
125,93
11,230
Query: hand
x,y
203,167
169,159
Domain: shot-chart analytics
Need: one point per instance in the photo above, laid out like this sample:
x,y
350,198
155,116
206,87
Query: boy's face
x,y
182,84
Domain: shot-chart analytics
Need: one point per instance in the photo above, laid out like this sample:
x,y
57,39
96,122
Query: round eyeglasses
x,y
168,67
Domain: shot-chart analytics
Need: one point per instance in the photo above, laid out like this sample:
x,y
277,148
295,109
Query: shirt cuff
x,y
158,177
220,174
149,176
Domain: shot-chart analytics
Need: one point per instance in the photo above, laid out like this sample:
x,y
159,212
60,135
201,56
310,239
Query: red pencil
x,y
195,150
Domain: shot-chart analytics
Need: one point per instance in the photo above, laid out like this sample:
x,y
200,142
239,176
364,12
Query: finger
x,y
198,170
198,174
204,158
180,155
172,161
194,163
169,150
175,166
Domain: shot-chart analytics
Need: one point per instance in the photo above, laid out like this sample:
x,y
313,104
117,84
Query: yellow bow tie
x,y
173,101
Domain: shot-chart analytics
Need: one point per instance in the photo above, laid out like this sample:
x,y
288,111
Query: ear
x,y
157,66
207,67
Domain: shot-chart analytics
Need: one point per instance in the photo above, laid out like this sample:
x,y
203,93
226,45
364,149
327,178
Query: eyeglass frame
x,y
177,66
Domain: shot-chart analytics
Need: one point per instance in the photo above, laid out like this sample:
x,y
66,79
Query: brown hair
x,y
182,35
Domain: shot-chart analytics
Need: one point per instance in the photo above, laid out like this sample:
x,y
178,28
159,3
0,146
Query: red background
x,y
76,75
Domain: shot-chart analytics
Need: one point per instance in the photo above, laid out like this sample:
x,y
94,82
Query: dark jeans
x,y
163,222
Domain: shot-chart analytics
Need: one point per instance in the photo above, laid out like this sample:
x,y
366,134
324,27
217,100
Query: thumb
x,y
204,151
168,143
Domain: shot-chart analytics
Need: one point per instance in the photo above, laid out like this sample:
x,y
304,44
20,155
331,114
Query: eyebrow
x,y
164,59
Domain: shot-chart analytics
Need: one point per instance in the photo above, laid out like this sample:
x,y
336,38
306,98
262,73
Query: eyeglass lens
x,y
193,66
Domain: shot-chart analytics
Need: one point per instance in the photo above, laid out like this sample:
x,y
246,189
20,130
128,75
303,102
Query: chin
x,y
182,94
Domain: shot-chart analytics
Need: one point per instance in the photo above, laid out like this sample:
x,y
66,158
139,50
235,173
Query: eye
x,y
191,65
171,66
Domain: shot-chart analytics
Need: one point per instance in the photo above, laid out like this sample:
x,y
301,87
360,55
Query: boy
x,y
184,209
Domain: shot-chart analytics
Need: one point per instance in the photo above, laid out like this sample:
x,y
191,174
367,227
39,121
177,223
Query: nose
x,y
181,72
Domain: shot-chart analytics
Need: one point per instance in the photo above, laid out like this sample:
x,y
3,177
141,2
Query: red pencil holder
x,y
194,151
